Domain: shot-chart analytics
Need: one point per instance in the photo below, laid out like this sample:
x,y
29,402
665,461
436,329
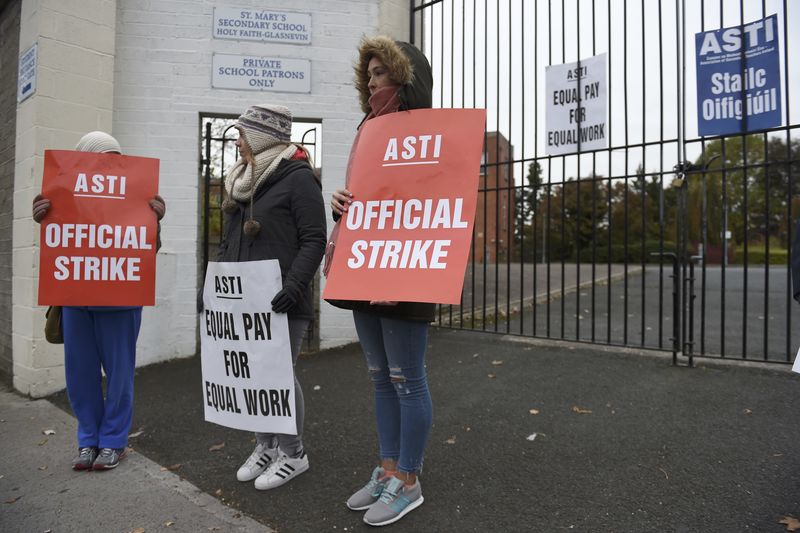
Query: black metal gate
x,y
218,153
665,240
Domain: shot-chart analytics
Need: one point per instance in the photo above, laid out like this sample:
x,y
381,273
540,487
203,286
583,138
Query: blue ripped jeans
x,y
395,352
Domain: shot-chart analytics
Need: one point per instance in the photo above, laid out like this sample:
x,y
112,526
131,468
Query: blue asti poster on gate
x,y
738,89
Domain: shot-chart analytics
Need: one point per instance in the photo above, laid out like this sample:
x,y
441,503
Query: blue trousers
x,y
395,352
96,338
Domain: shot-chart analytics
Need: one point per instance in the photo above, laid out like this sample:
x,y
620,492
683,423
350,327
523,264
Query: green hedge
x,y
757,256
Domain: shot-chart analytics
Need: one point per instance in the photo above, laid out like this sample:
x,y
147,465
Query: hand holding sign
x,y
98,234
41,206
408,222
248,380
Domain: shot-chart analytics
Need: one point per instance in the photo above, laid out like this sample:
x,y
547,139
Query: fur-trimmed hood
x,y
407,66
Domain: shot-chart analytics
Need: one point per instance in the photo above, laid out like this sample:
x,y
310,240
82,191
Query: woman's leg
x,y
293,460
116,333
406,342
292,445
387,407
82,369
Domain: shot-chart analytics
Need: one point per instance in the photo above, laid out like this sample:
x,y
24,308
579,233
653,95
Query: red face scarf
x,y
382,102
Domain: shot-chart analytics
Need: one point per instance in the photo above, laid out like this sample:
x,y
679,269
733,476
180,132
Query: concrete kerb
x,y
666,356
40,490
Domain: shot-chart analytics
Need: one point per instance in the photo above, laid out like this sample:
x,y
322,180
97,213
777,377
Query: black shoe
x,y
85,458
109,458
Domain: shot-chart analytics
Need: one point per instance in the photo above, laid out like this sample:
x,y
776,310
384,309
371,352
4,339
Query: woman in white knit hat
x,y
274,210
98,338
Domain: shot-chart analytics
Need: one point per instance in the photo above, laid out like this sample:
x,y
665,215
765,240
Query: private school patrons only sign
x,y
407,233
98,240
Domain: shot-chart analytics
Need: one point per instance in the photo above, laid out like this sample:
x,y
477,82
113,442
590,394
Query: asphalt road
x,y
620,442
736,313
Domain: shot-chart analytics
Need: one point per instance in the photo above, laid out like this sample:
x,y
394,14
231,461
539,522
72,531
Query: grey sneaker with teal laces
x,y
397,500
369,493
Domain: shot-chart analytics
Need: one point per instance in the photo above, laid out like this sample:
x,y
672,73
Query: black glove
x,y
285,299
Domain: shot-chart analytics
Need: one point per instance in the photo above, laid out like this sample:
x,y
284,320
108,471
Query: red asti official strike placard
x,y
406,235
98,240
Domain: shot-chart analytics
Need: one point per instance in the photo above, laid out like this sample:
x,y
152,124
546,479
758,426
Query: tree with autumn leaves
x,y
749,185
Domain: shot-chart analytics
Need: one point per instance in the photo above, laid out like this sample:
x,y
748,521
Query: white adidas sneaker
x,y
281,470
258,461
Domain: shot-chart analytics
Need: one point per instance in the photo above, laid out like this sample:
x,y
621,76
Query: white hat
x,y
98,142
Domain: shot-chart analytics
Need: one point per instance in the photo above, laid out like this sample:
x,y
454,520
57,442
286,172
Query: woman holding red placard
x,y
393,76
97,340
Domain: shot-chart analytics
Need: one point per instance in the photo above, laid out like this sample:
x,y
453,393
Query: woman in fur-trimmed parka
x,y
392,76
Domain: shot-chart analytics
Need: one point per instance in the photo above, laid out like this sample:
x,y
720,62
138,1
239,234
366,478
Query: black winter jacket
x,y
290,209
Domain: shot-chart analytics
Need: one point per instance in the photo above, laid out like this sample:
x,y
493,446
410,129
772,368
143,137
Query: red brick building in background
x,y
495,213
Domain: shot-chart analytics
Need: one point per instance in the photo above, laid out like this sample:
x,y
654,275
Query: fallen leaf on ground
x,y
43,467
451,440
48,432
792,523
218,492
171,468
532,437
168,523
137,434
773,455
43,442
12,500
497,362
138,530
534,411
475,355
491,376
581,410
217,447
748,412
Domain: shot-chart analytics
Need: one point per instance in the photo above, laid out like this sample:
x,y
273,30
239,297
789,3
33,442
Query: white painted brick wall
x,y
74,95
142,69
162,82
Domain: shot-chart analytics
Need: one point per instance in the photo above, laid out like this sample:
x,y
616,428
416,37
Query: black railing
x,y
662,240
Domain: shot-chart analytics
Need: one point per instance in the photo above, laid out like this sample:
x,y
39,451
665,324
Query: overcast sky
x,y
493,54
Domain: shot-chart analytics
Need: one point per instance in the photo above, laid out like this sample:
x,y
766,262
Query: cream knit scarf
x,y
243,180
